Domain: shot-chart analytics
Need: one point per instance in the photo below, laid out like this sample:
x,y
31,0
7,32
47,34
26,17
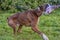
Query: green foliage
x,y
5,4
26,4
54,1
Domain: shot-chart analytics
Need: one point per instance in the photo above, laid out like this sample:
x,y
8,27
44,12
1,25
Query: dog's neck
x,y
38,12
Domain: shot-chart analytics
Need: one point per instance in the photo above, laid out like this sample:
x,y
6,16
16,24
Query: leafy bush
x,y
55,1
23,4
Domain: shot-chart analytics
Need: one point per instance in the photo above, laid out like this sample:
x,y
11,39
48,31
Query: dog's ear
x,y
38,8
41,8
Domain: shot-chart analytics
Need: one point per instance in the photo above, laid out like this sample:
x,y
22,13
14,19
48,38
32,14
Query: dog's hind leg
x,y
19,28
13,25
35,29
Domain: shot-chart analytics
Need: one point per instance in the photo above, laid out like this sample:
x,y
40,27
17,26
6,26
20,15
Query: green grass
x,y
48,24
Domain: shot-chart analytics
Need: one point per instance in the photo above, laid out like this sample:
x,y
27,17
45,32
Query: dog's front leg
x,y
35,29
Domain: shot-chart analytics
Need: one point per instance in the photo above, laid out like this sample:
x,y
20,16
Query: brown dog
x,y
27,18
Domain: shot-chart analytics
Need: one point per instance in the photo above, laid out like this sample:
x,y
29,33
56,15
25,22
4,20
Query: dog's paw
x,y
19,31
45,37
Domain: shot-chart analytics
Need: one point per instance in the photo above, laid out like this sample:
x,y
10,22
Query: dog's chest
x,y
38,21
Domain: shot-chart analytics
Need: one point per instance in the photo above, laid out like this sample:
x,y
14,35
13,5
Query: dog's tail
x,y
7,17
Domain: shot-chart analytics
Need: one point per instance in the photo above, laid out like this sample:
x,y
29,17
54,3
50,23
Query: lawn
x,y
48,24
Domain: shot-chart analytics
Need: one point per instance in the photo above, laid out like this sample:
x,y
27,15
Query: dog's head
x,y
38,11
41,9
44,8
